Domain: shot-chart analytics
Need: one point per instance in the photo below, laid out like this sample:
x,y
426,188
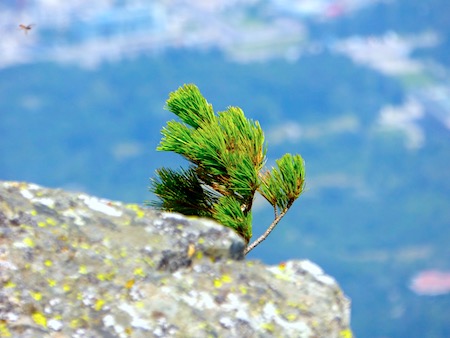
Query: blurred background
x,y
360,88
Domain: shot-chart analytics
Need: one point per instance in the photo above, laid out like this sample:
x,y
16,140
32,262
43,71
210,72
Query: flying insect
x,y
26,28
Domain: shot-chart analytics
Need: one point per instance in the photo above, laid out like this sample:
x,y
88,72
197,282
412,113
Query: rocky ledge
x,y
73,265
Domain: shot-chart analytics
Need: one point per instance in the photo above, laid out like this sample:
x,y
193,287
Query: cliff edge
x,y
73,265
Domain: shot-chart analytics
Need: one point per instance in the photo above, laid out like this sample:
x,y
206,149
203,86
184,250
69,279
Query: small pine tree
x,y
227,153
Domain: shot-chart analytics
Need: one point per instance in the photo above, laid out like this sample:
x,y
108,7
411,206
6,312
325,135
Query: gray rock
x,y
73,265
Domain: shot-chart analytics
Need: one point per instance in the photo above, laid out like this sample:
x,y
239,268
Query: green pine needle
x,y
190,106
228,211
227,152
181,191
283,185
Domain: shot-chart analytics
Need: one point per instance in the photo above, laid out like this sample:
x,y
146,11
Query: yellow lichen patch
x,y
202,325
107,261
36,295
148,261
99,304
199,255
139,212
218,282
84,246
74,323
347,333
243,289
4,331
48,262
139,272
201,240
42,224
291,317
299,306
9,285
29,242
67,287
283,277
226,279
40,319
51,221
139,305
83,270
51,282
268,327
123,252
101,277
105,276
33,212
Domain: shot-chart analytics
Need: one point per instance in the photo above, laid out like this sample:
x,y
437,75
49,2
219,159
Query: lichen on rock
x,y
73,265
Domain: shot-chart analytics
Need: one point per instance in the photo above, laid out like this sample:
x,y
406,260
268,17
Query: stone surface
x,y
73,265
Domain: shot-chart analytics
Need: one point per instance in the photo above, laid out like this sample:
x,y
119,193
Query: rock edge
x,y
74,265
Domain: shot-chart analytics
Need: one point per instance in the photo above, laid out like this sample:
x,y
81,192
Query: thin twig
x,y
266,233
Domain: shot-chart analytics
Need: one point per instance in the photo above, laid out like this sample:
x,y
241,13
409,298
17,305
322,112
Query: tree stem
x,y
267,232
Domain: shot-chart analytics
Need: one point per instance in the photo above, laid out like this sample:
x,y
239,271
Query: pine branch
x,y
190,106
228,212
227,152
181,192
283,185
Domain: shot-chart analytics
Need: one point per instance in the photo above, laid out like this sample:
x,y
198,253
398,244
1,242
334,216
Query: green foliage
x,y
227,152
282,186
